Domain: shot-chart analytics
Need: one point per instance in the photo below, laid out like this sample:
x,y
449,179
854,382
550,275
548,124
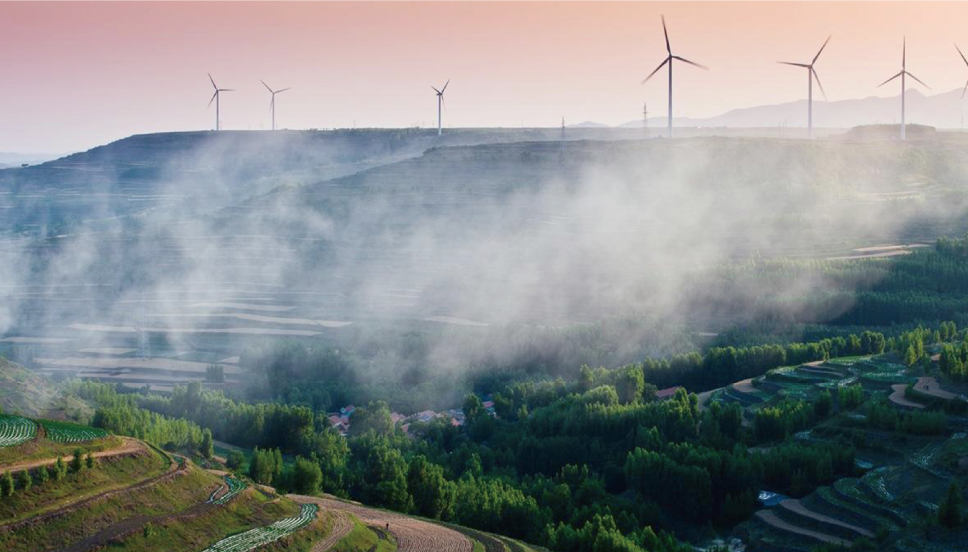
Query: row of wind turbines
x,y
811,76
272,102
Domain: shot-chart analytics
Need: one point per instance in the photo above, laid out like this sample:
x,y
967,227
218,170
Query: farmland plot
x,y
64,432
259,536
234,487
15,430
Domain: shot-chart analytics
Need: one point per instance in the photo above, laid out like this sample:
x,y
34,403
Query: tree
x,y
26,481
89,461
6,485
207,448
59,469
949,511
824,404
215,373
77,462
235,460
306,476
433,495
630,383
148,531
43,476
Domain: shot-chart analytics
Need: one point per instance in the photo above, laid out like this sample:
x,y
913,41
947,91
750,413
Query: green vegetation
x,y
15,430
66,432
362,537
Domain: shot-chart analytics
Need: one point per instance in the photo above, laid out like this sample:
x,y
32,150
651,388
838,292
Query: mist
x,y
473,245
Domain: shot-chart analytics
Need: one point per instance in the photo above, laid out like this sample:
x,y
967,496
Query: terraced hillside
x,y
901,474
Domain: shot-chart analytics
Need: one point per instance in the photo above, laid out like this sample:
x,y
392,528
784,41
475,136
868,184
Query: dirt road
x,y
771,519
898,398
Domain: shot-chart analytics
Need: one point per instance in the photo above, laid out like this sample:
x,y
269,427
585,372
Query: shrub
x,y
26,482
77,462
6,485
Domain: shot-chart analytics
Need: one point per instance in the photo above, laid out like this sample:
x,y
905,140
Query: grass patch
x,y
40,449
164,498
109,474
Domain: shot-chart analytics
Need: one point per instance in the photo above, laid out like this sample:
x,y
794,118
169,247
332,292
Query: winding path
x,y
930,386
342,525
772,520
898,398
798,508
413,535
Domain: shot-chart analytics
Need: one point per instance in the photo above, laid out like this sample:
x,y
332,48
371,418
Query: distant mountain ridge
x,y
943,111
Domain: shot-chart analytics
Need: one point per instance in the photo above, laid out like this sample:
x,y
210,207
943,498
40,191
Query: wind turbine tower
x,y
670,59
272,103
811,74
645,118
904,73
215,98
440,104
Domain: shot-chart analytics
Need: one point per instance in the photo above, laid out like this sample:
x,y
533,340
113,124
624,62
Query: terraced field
x,y
224,494
254,538
66,432
15,430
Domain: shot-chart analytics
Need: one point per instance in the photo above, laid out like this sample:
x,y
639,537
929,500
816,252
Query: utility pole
x,y
645,118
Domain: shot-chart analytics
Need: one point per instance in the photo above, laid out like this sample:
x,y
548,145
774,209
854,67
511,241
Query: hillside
x,y
25,392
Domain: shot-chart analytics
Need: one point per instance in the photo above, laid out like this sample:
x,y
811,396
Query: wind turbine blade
x,y
682,59
904,54
794,64
661,65
890,79
821,50
917,79
962,55
437,91
283,90
213,98
213,81
444,89
267,86
817,77
963,91
226,90
666,32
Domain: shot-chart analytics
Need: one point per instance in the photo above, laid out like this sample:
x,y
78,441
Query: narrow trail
x,y
745,386
413,535
930,386
173,470
797,507
772,520
898,398
129,447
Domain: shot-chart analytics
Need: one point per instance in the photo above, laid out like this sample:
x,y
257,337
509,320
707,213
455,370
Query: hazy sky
x,y
79,74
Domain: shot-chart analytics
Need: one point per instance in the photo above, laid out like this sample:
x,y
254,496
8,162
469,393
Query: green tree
x,y
148,531
6,485
949,511
59,469
433,495
26,481
306,476
89,461
77,462
206,448
235,460
824,404
630,383
43,476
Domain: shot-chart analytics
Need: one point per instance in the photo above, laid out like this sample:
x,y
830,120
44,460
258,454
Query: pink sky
x,y
81,74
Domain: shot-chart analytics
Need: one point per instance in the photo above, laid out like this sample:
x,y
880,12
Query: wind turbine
x,y
670,59
811,73
215,98
272,103
966,63
440,103
904,73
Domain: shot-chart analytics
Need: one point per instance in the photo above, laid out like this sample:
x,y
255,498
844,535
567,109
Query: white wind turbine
x,y
215,98
966,63
904,73
440,103
670,59
272,103
811,74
